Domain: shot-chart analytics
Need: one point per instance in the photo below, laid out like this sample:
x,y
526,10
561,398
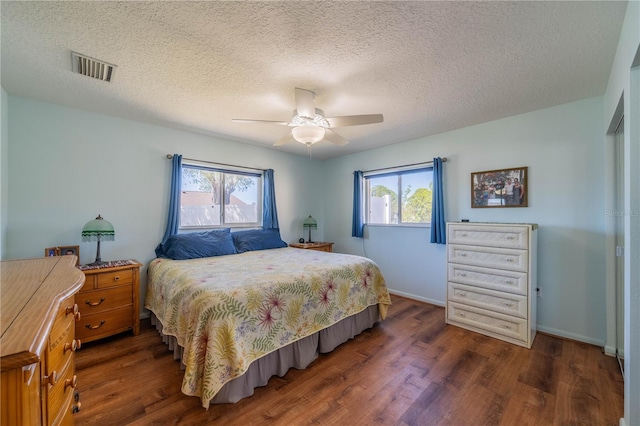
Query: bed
x,y
237,318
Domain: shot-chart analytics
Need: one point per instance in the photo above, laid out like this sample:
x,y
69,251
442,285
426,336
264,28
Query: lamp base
x,y
98,261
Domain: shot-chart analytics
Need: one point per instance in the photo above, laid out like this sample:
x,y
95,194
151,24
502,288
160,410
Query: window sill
x,y
402,225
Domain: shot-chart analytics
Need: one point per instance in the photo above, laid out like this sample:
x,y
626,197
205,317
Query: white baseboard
x,y
610,350
572,336
419,298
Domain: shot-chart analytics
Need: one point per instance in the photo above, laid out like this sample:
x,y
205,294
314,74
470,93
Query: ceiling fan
x,y
309,125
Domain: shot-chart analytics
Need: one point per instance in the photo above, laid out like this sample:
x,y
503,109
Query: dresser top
x,y
32,290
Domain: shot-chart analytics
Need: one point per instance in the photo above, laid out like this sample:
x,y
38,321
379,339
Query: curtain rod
x,y
444,160
170,156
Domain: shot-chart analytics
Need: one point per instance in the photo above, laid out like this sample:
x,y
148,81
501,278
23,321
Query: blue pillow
x,y
257,239
194,245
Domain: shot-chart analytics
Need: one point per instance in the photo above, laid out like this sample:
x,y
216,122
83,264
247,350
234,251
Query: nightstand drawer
x,y
91,302
91,327
110,279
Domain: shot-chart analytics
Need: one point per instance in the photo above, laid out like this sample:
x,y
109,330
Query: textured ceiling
x,y
428,67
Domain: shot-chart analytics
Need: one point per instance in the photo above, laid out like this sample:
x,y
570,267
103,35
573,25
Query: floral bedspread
x,y
228,311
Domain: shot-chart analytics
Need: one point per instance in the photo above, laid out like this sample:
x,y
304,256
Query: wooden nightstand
x,y
109,301
313,246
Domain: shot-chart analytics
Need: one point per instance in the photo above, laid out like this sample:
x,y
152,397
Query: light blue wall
x,y
562,147
66,166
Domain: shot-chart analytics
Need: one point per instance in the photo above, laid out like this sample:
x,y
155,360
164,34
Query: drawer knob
x,y
509,259
93,327
72,309
71,383
463,274
463,254
511,237
116,278
76,407
508,305
51,379
73,346
507,326
461,314
463,234
462,294
509,282
90,303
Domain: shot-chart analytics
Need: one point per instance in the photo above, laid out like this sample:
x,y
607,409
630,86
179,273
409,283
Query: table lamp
x,y
98,229
310,223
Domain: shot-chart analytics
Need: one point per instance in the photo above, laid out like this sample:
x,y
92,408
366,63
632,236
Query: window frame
x,y
396,171
226,169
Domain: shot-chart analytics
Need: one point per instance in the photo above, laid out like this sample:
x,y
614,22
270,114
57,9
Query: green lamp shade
x,y
98,229
310,223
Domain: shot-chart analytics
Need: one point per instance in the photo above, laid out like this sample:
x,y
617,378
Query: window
x,y
213,197
400,197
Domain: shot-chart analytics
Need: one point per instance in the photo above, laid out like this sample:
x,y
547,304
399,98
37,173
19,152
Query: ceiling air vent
x,y
92,67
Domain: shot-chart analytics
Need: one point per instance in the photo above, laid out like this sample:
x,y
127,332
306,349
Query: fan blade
x,y
304,103
354,120
334,138
285,139
246,120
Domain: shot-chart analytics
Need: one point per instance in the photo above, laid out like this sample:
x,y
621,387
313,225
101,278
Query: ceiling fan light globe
x,y
308,134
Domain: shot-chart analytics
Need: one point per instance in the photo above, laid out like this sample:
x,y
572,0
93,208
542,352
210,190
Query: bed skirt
x,y
297,355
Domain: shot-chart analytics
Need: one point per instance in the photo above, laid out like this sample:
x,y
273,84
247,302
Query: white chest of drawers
x,y
491,279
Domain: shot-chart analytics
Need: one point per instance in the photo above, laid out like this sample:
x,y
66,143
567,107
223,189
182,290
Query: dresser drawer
x,y
494,236
493,279
497,301
91,327
59,395
491,322
110,279
62,346
489,257
91,302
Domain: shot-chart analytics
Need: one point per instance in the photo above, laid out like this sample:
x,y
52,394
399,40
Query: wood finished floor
x,y
411,369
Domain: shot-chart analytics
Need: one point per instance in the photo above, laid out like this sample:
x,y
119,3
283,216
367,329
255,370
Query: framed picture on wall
x,y
500,188
63,251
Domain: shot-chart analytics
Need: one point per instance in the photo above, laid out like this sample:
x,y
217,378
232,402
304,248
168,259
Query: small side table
x,y
320,246
109,300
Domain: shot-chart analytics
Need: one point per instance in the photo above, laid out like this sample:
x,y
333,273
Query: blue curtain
x,y
438,223
173,220
357,227
269,211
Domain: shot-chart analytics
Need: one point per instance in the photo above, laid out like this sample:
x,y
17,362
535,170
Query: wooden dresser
x,y
491,279
328,247
38,343
109,302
